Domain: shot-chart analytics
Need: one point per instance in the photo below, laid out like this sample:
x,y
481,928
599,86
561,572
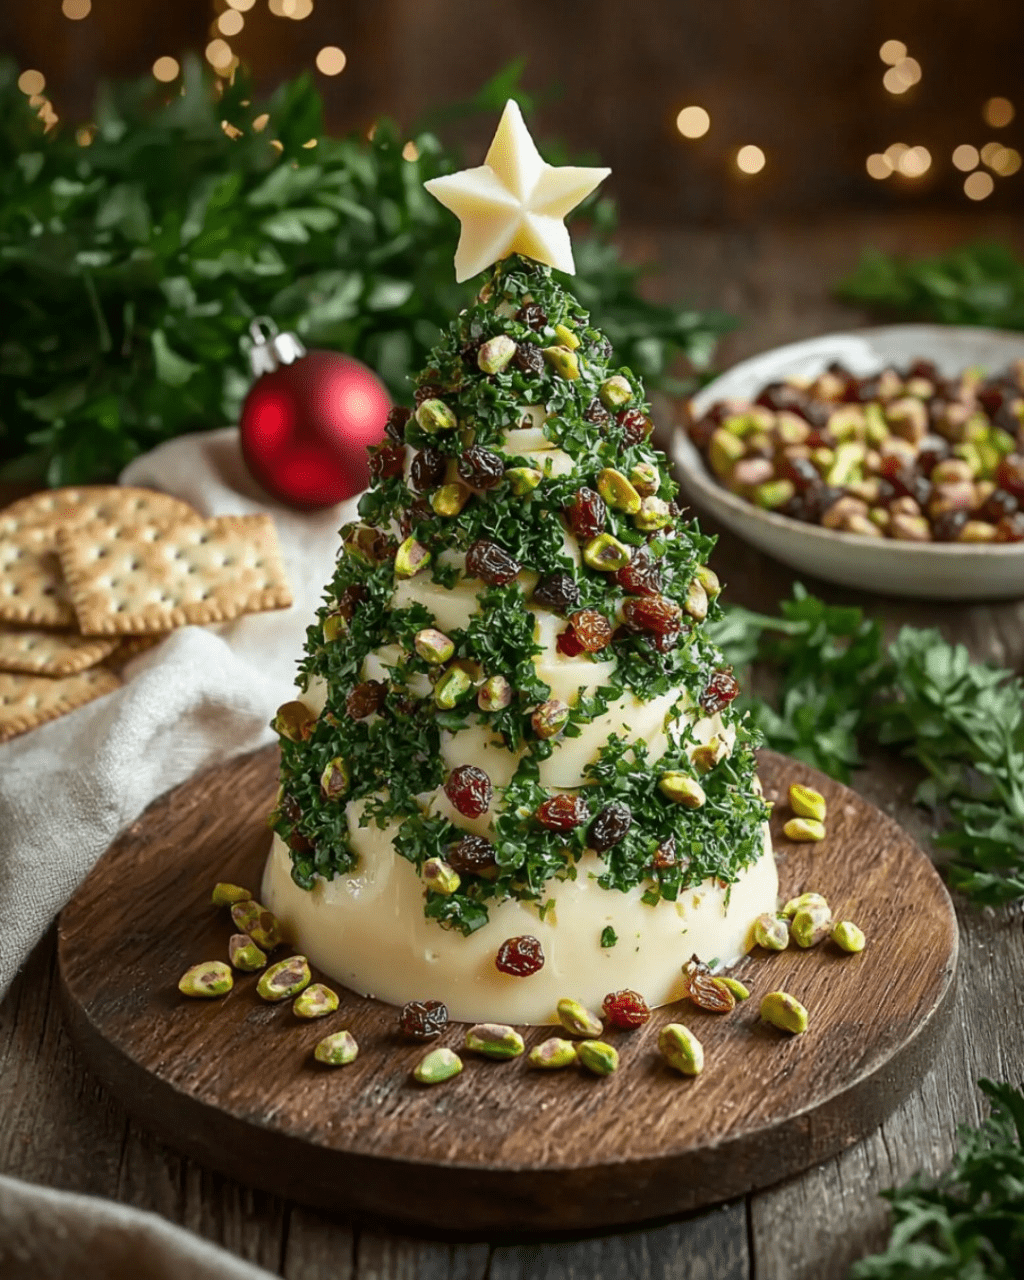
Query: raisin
x,y
366,699
533,316
998,504
298,843
470,791
388,459
290,807
557,591
417,513
1010,475
488,561
719,691
480,468
567,643
528,359
610,827
596,414
395,425
780,395
423,1019
652,613
665,642
519,956
428,391
427,470
665,854
587,514
1011,528
707,992
947,526
563,812
472,855
801,471
592,629
625,1009
642,576
635,424
469,353
931,451
349,600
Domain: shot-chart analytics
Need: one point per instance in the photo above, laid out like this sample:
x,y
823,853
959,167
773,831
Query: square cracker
x,y
28,701
136,578
51,653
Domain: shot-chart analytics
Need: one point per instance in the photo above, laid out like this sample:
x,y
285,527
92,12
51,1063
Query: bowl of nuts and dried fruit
x,y
890,459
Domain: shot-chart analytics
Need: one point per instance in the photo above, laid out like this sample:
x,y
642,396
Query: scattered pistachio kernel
x,y
653,514
523,480
806,803
617,491
708,579
614,392
578,1020
566,336
449,499
453,685
606,553
244,954
494,1040
433,646
552,1054
681,1049
434,416
645,479
564,362
681,788
785,1012
804,829
771,933
773,494
597,1057
226,895
316,1001
411,557
337,1050
495,353
211,978
550,718
696,602
260,924
439,1065
284,979
495,694
735,986
335,779
848,936
810,926
293,721
804,900
440,877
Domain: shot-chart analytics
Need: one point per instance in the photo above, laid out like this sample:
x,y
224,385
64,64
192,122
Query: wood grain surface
x,y
232,1083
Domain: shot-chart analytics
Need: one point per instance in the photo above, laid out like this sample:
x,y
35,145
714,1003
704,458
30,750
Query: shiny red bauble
x,y
305,428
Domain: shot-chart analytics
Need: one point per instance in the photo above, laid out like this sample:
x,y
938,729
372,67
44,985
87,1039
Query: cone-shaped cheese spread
x,y
514,771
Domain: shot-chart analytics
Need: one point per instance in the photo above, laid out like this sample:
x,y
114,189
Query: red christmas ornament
x,y
308,420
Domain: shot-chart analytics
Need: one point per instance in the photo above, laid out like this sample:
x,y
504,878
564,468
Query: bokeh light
x,y
230,22
330,61
410,151
750,159
31,82
76,10
989,152
895,152
893,51
1008,163
966,157
243,6
915,161
219,55
308,146
901,77
998,112
978,185
878,166
693,122
260,123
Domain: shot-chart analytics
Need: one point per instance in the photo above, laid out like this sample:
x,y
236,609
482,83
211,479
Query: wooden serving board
x,y
232,1082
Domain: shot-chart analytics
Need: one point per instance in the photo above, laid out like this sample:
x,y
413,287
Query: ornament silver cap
x,y
271,349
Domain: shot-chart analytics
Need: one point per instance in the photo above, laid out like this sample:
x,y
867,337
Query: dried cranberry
x,y
423,1019
395,425
625,1009
991,398
947,525
558,592
519,956
366,699
567,644
428,391
488,561
652,613
1011,528
719,691
528,359
471,855
610,827
642,576
596,414
635,424
427,469
801,471
563,812
999,503
665,642
387,460
480,468
470,791
349,600
1010,475
910,483
780,395
922,368
665,854
931,451
533,316
886,492
592,629
587,514
298,843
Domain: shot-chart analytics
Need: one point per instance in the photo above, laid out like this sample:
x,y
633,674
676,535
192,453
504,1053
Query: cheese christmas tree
x,y
514,771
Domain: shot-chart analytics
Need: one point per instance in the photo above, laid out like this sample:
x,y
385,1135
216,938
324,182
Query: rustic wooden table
x,y
58,1127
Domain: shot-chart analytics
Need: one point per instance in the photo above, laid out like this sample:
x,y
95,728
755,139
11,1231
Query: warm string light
x,y
909,162
230,22
220,56
31,83
893,52
998,112
750,159
903,76
966,157
76,10
330,61
166,69
243,6
693,122
978,185
878,166
297,10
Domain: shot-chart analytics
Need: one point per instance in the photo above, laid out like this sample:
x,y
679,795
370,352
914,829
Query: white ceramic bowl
x,y
929,570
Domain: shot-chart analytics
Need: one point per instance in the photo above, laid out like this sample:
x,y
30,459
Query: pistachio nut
x,y
566,336
578,1020
334,627
284,979
597,1057
724,451
226,895
564,362
847,423
739,991
453,685
244,954
810,926
845,934
790,428
439,1065
908,418
364,542
606,553
335,779
211,978
864,525
645,479
681,1049
523,480
771,933
709,753
293,721
846,464
550,718
774,494
434,416
433,646
977,531
495,353
617,491
682,789
910,528
411,557
316,1001
654,514
785,1012
552,1054
440,877
876,429
450,498
615,392
804,829
708,579
806,802
495,694
259,923
337,1049
494,1040
749,474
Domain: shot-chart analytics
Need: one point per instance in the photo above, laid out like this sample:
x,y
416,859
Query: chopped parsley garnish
x,y
608,936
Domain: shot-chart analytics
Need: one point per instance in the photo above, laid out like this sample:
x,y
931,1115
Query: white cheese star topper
x,y
514,202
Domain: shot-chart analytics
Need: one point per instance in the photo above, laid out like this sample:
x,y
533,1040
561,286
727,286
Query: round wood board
x,y
233,1083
